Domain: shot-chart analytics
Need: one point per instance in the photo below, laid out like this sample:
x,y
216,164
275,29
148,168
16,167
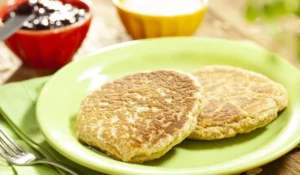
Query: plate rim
x,y
275,156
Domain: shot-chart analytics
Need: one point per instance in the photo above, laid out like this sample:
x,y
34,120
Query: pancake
x,y
141,116
237,101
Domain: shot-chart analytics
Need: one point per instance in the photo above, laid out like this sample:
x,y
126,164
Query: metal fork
x,y
12,152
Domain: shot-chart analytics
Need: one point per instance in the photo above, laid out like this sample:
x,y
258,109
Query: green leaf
x,y
291,6
298,46
274,10
251,13
298,11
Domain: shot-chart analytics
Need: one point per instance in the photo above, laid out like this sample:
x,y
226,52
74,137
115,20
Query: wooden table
x,y
223,20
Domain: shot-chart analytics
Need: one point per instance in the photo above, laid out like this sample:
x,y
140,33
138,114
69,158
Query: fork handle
x,y
59,165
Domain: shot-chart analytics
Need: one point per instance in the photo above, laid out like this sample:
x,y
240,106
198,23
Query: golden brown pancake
x,y
141,116
236,101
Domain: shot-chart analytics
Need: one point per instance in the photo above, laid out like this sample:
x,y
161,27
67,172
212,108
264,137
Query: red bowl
x,y
48,49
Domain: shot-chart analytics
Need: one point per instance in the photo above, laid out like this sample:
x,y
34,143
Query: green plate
x,y
60,99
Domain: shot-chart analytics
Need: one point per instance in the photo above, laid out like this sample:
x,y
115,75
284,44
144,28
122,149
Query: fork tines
x,y
9,147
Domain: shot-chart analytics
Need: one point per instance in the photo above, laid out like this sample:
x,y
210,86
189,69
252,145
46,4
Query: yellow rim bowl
x,y
141,26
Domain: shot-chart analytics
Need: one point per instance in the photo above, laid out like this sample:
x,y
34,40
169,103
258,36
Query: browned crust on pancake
x,y
237,101
140,116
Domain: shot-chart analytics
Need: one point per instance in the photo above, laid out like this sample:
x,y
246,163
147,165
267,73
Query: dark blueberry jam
x,y
49,14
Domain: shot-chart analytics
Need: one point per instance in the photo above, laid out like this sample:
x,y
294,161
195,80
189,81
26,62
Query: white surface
x,y
164,7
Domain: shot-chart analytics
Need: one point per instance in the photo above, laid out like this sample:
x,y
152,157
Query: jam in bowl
x,y
51,38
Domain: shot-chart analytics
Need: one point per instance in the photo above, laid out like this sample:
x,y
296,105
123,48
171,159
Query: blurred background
x,y
273,24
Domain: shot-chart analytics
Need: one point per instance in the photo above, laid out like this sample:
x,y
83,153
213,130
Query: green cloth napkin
x,y
17,118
